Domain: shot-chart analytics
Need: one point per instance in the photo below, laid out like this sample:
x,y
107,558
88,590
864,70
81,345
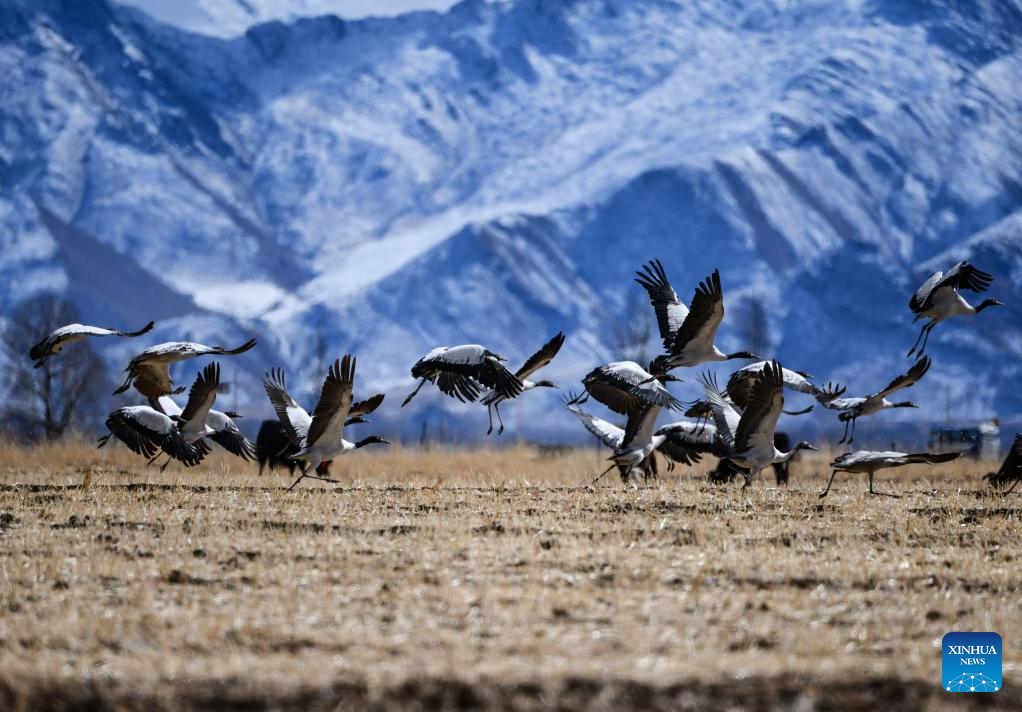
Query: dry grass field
x,y
493,579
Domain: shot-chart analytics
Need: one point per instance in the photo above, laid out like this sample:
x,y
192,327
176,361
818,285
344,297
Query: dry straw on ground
x,y
492,578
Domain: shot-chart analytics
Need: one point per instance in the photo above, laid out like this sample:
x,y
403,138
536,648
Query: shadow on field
x,y
753,693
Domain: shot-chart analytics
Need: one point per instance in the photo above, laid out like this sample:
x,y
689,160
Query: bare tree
x,y
631,333
752,323
44,402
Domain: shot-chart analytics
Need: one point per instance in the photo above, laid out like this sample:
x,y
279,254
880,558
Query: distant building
x,y
981,442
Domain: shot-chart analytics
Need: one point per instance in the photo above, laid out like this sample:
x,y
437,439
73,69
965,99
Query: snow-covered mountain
x,y
495,173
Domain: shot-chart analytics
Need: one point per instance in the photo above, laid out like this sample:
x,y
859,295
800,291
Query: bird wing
x,y
920,301
140,437
227,435
639,427
699,409
367,406
609,434
152,379
850,459
918,370
459,386
334,403
294,419
144,330
541,358
704,316
965,276
686,441
933,458
619,386
1013,462
725,416
493,374
187,453
962,276
165,404
233,352
670,312
454,370
739,386
1011,468
757,424
201,396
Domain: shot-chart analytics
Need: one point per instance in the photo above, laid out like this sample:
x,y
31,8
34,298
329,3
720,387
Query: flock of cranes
x,y
736,423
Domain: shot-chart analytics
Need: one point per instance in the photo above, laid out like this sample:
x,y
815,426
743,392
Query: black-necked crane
x,y
319,436
689,332
939,299
739,389
181,435
59,338
146,431
740,383
636,443
220,428
626,387
1010,470
854,408
150,370
492,399
460,371
869,461
747,438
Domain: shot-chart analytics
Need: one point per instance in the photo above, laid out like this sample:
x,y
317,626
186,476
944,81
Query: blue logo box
x,y
971,662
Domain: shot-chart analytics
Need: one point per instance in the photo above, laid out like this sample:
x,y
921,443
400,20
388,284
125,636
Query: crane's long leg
x,y
323,479
103,440
845,436
824,492
748,479
164,465
1008,491
884,494
852,438
928,328
411,395
918,339
305,472
496,407
600,476
489,414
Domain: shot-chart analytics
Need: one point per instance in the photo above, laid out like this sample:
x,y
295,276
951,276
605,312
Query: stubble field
x,y
493,579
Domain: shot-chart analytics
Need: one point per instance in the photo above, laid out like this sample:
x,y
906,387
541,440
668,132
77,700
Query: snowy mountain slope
x,y
496,173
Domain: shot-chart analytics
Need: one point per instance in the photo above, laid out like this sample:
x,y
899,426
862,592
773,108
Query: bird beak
x,y
810,447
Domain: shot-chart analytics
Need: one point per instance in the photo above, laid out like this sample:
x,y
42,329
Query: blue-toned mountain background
x,y
496,172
